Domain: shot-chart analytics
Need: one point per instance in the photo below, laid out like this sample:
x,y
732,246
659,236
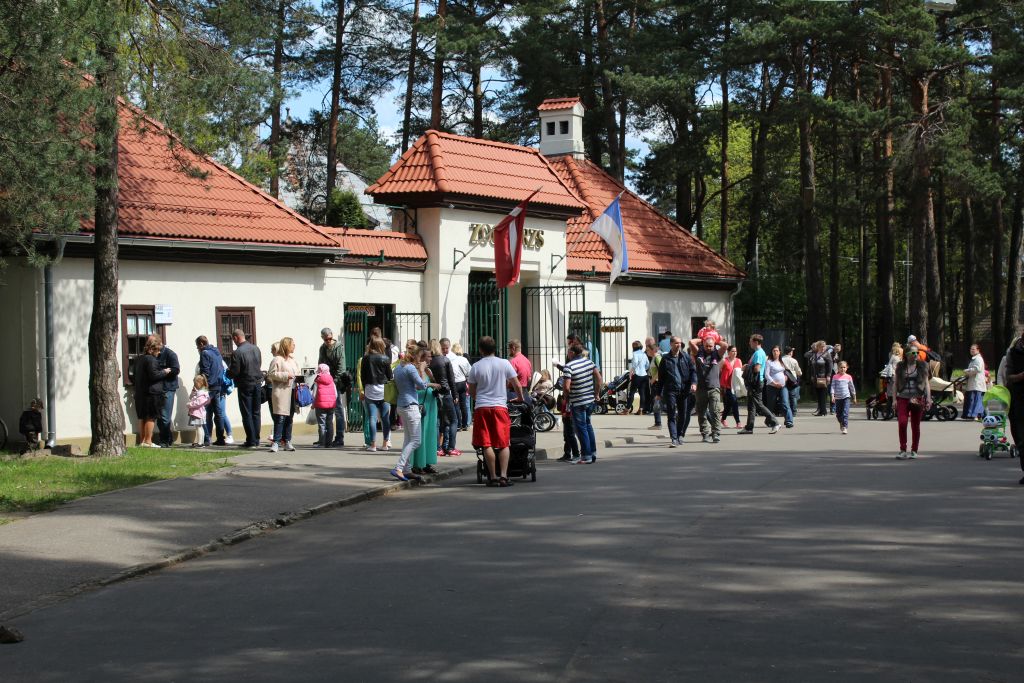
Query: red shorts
x,y
491,428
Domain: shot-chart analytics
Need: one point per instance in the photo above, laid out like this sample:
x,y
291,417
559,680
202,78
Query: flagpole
x,y
583,233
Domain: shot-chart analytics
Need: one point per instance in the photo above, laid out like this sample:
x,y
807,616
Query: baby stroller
x,y
613,396
881,406
543,402
946,396
993,430
521,459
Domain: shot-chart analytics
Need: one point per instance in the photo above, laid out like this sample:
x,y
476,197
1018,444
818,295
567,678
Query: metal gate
x,y
605,339
408,326
545,318
614,346
355,343
487,314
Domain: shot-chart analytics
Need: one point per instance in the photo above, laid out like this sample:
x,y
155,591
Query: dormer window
x,y
563,127
551,128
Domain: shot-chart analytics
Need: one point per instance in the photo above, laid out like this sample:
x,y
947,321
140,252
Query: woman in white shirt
x,y
775,385
975,387
460,370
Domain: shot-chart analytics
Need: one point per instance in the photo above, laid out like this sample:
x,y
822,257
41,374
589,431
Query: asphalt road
x,y
804,556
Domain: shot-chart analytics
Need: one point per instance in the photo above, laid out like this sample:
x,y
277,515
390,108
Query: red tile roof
x,y
452,165
168,191
656,243
395,245
557,103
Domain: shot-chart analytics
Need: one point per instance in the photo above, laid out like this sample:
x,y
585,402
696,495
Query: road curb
x,y
253,530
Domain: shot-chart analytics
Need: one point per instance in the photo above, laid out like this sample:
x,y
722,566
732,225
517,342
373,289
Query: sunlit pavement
x,y
805,555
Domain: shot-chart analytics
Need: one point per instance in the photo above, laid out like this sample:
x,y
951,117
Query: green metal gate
x,y
355,343
545,321
487,314
405,326
615,344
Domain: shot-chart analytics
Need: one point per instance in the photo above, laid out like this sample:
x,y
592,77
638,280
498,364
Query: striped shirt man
x,y
580,371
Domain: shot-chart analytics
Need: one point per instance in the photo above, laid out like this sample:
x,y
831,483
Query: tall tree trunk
x,y
723,236
998,231
920,211
106,418
623,103
1013,271
700,192
809,227
276,102
885,258
594,145
410,79
684,185
834,308
945,279
970,295
758,166
607,93
437,92
335,113
478,97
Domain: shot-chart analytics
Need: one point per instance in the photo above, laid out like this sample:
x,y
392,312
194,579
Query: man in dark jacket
x,y
678,378
709,387
333,355
211,366
165,419
246,369
1015,380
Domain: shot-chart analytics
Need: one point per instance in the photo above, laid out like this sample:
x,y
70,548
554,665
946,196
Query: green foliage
x,y
345,211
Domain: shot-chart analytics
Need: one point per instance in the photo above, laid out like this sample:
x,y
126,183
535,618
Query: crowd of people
x,y
432,392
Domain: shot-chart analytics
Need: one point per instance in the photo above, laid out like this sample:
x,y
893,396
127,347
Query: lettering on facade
x,y
613,328
480,234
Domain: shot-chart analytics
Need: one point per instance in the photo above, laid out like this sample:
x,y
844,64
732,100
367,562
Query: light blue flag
x,y
609,226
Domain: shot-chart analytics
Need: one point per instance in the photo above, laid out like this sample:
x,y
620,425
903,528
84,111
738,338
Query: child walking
x,y
570,445
324,402
197,402
843,392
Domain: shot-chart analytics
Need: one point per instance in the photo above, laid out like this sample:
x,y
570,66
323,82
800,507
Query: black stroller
x,y
521,460
613,396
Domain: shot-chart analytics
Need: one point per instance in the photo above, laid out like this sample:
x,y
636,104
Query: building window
x,y
230,319
551,128
137,323
563,127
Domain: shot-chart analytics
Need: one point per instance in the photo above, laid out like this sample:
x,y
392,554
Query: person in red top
x,y
710,329
522,364
730,364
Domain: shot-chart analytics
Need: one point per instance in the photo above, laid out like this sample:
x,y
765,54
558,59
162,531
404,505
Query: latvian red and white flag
x,y
508,245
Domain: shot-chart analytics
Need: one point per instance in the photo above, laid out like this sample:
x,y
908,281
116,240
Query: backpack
x,y
303,396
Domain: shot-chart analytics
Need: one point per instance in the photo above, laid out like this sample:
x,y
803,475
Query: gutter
x,y
248,247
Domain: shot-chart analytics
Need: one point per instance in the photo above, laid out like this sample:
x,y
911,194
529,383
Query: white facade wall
x,y
295,302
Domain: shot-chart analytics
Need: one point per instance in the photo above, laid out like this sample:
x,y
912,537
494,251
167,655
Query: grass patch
x,y
37,484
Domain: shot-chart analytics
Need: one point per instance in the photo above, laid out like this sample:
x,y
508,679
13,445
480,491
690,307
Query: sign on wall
x,y
481,234
163,314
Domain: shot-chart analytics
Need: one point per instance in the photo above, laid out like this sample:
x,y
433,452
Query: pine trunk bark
x,y
106,416
335,113
684,179
970,294
920,212
723,219
276,101
757,171
607,92
478,98
1013,271
834,308
437,91
809,227
410,80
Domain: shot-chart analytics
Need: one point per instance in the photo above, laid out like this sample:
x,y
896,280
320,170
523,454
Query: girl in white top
x,y
976,385
775,385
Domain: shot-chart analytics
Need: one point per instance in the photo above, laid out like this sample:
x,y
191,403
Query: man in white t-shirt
x,y
490,379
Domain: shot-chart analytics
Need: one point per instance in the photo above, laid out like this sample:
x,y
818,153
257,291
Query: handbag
x,y
821,382
791,380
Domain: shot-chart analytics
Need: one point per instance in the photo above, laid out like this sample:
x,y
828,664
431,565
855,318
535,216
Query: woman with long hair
x,y
819,367
148,378
282,373
410,383
913,396
775,385
461,368
730,364
441,369
425,456
375,372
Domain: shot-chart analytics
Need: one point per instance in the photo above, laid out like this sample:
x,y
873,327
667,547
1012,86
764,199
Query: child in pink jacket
x,y
197,402
323,403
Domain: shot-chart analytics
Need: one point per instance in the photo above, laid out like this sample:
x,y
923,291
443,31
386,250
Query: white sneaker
x,y
228,440
288,446
273,447
386,446
902,455
672,443
913,454
844,430
371,449
774,430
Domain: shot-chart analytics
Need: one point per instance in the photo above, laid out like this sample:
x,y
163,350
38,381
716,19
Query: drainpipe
x,y
51,380
732,302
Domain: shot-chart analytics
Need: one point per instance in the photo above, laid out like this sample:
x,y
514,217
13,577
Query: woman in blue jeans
x,y
775,378
375,372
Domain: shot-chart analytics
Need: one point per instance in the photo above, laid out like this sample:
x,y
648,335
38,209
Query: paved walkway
x,y
101,539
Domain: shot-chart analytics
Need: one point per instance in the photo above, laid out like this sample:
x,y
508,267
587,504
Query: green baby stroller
x,y
993,427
